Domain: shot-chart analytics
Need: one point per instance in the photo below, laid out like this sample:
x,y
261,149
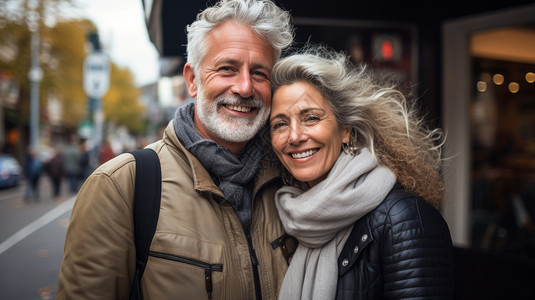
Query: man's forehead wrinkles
x,y
226,60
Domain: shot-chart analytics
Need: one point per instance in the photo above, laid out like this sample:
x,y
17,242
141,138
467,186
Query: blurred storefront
x,y
488,97
498,111
471,65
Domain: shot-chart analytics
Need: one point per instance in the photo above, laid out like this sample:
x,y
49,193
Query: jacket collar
x,y
202,180
359,238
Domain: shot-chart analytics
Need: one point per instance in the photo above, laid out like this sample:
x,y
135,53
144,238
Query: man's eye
x,y
225,69
260,74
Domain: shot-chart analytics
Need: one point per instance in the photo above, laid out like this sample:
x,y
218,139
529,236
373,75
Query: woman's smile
x,y
304,154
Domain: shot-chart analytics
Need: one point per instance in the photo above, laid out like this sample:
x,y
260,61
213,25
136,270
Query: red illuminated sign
x,y
387,47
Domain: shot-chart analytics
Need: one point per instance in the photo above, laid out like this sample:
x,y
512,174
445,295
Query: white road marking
x,y
37,224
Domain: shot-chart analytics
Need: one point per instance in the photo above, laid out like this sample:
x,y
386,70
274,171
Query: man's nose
x,y
244,85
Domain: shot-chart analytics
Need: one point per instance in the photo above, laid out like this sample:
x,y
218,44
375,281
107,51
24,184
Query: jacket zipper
x,y
208,268
281,242
254,262
252,252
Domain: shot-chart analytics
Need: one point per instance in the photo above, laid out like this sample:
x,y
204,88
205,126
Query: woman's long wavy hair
x,y
383,119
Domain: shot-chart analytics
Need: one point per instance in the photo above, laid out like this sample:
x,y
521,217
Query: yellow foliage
x,y
63,51
68,40
120,104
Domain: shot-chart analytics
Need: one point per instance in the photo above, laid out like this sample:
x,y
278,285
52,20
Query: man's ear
x,y
191,80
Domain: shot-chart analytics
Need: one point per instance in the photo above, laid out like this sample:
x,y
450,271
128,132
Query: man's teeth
x,y
304,154
243,109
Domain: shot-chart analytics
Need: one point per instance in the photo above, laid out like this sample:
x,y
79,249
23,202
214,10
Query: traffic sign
x,y
85,129
96,74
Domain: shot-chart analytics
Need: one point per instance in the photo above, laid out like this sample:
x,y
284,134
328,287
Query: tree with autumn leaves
x,y
118,105
63,48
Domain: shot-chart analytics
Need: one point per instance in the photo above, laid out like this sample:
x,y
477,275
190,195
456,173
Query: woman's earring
x,y
345,148
351,146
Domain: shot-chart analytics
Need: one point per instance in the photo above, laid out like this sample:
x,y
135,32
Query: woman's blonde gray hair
x,y
383,120
262,16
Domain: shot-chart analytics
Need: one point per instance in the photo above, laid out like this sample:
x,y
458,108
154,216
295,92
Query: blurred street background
x,y
78,85
31,241
82,81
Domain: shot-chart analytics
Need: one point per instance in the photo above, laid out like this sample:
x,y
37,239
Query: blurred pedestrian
x,y
85,166
32,171
71,165
106,152
54,168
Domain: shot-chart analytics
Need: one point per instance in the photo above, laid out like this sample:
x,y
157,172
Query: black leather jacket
x,y
400,250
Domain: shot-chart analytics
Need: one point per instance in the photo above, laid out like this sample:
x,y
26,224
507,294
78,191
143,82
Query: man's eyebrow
x,y
227,61
261,66
236,62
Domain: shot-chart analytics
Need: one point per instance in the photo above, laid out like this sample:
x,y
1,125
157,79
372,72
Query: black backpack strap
x,y
147,196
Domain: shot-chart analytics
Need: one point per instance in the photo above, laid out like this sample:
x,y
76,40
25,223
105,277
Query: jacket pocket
x,y
184,267
207,267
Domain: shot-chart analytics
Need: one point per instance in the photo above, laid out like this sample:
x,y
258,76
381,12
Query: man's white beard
x,y
226,127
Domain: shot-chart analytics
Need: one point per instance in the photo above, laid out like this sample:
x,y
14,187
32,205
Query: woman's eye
x,y
278,125
312,118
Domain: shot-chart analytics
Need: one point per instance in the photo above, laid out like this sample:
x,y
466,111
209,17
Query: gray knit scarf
x,y
233,175
322,217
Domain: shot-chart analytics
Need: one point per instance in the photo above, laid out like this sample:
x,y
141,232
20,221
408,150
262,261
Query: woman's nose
x,y
297,134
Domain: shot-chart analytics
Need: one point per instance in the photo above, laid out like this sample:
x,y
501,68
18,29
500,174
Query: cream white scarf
x,y
321,219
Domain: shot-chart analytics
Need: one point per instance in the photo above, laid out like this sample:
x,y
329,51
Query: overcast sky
x,y
124,36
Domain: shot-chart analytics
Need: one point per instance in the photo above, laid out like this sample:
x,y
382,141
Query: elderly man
x,y
218,234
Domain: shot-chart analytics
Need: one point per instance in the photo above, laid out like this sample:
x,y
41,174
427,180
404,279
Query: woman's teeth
x,y
243,109
304,154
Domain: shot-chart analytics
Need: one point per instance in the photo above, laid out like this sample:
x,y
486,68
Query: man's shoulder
x,y
125,161
116,164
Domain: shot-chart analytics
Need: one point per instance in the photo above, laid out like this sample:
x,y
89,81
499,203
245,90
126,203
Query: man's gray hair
x,y
262,16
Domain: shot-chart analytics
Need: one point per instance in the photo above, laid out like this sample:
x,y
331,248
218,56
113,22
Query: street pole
x,y
2,128
35,75
96,84
98,117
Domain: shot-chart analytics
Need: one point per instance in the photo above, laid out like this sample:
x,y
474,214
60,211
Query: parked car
x,y
10,171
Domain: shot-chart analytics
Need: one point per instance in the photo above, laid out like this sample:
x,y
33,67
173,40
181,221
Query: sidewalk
x,y
31,241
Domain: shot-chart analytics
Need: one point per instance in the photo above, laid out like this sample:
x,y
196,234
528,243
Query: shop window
x,y
502,137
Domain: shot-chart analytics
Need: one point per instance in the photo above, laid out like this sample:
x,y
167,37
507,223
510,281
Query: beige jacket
x,y
198,234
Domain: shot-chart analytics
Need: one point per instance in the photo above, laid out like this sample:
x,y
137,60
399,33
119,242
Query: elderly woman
x,y
362,185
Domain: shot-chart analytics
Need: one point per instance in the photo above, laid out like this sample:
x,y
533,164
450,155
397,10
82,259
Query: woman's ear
x,y
191,80
346,134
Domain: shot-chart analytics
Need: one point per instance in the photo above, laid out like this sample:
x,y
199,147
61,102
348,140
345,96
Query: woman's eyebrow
x,y
280,115
309,109
302,112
